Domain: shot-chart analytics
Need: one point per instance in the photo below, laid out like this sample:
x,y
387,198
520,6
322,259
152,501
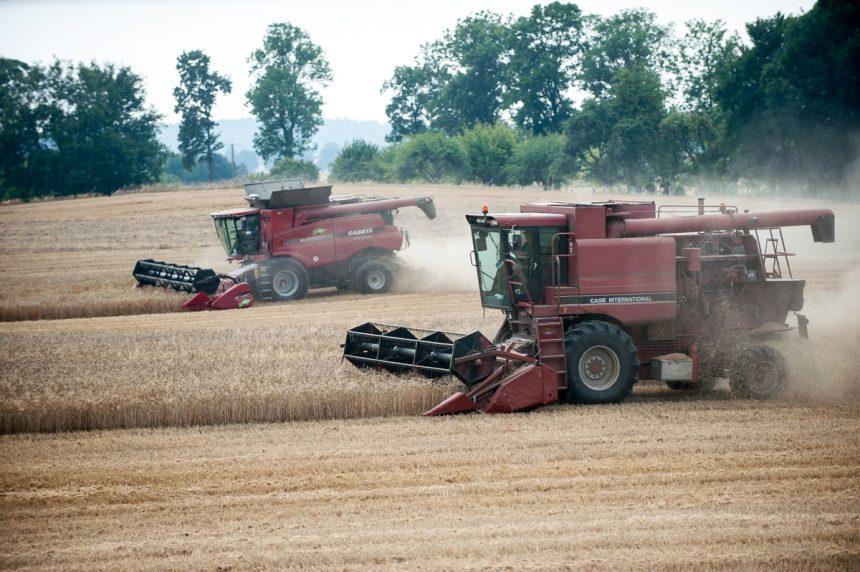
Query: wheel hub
x,y
599,368
595,367
285,283
376,280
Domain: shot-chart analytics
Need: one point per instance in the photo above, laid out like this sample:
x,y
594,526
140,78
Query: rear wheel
x,y
289,280
602,364
373,277
759,372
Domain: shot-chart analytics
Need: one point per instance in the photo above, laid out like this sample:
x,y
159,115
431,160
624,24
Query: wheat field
x,y
173,472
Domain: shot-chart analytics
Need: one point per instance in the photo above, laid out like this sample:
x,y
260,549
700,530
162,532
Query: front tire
x,y
373,277
289,280
602,363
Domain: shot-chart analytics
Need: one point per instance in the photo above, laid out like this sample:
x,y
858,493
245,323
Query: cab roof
x,y
234,212
510,220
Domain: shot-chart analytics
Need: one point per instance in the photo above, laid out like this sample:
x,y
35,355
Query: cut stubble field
x,y
354,480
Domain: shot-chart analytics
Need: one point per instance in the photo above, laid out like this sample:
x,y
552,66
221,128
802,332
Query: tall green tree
x,y
706,55
545,58
792,102
474,57
616,138
629,39
24,111
288,72
69,129
409,109
105,135
457,82
195,96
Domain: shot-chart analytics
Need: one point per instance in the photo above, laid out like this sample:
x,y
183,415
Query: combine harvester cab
x,y
292,238
597,296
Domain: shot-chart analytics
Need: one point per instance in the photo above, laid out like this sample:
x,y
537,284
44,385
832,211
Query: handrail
x,y
556,263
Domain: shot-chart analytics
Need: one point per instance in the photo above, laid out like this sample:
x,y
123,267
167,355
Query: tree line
x,y
544,98
75,128
627,102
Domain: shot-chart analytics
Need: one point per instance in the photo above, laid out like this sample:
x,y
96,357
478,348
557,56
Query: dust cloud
x,y
827,365
437,265
211,257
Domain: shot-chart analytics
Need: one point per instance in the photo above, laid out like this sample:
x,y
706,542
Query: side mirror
x,y
481,243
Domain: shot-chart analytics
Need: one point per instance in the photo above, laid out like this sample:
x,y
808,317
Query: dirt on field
x,y
713,484
667,479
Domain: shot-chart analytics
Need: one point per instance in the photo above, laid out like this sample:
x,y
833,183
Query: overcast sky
x,y
363,40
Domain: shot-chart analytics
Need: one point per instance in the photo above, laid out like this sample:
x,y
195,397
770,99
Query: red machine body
x,y
292,238
597,296
300,238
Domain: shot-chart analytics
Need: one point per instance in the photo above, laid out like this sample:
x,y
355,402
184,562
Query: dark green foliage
x,y
409,109
195,97
288,71
488,149
358,161
545,51
489,67
289,168
75,128
425,158
174,170
793,100
615,139
474,79
541,160
630,39
24,114
659,110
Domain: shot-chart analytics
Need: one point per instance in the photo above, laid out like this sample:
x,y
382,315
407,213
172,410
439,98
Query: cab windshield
x,y
518,262
489,259
239,235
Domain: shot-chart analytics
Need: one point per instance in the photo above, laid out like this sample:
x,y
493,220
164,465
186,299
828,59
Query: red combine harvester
x,y
292,238
597,296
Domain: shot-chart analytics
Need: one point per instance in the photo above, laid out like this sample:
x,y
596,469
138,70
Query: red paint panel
x,y
312,244
527,387
590,222
626,266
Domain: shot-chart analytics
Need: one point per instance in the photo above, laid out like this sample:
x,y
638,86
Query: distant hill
x,y
337,132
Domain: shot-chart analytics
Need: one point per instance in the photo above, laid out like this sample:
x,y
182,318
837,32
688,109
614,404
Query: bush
x,y
426,157
358,161
174,172
541,160
488,148
290,168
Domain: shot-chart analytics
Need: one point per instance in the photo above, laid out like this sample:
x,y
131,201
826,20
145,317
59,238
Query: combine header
x,y
290,239
597,296
211,291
